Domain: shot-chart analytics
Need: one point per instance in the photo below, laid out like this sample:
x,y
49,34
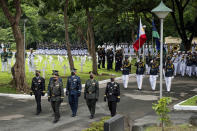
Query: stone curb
x,y
182,107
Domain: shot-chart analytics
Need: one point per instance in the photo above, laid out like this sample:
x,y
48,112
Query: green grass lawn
x,y
190,102
6,77
174,128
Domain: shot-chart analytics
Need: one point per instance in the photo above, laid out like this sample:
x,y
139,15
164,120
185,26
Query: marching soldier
x,y
110,58
4,60
118,59
100,57
10,54
73,91
169,71
91,94
38,89
154,69
126,70
56,95
182,65
103,56
112,95
189,65
148,59
140,72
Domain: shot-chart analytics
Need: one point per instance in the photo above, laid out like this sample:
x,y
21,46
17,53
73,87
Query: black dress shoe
x,y
37,113
73,115
92,117
55,121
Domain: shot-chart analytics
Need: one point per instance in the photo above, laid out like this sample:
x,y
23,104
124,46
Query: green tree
x,y
18,72
161,108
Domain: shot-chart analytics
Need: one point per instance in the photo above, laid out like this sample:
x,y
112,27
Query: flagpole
x,y
152,45
139,39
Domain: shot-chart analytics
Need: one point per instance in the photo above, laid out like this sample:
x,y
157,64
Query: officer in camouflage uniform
x,y
51,78
10,54
4,60
38,89
73,91
112,95
140,72
91,94
56,95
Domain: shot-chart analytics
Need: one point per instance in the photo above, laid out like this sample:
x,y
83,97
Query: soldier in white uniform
x,y
176,61
4,60
169,71
10,54
183,66
140,72
154,68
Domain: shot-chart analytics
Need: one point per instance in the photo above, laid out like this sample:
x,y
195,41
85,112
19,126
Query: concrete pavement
x,y
19,114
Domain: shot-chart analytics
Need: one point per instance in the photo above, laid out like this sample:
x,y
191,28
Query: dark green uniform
x,y
4,57
56,96
91,95
10,54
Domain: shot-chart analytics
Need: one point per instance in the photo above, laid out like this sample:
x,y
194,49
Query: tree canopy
x,y
113,20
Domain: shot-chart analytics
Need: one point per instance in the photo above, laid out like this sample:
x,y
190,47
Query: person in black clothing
x,y
38,89
100,56
110,58
112,95
118,59
103,56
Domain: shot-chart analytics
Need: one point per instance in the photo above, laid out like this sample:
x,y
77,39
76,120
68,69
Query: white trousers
x,y
175,68
182,69
189,70
168,83
139,81
4,66
9,64
31,66
147,69
153,80
125,80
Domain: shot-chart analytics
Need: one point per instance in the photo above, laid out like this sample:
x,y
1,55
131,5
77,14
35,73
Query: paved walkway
x,y
18,114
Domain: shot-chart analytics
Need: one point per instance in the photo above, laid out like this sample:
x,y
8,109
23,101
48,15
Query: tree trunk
x,y
18,71
180,26
67,36
92,42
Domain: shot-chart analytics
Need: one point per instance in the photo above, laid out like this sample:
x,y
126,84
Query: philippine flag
x,y
141,38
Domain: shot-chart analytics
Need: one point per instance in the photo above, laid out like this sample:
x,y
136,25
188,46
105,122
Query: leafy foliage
x,y
97,126
113,21
161,108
